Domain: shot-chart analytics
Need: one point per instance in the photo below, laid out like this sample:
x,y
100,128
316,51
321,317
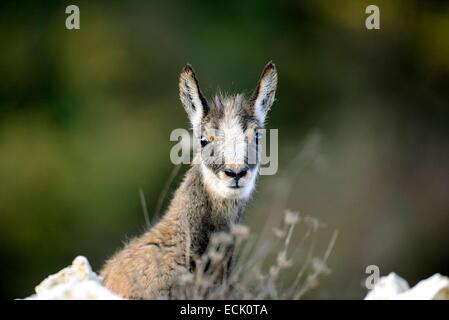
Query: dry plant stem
x,y
143,202
309,152
306,264
312,278
255,275
174,172
331,245
164,191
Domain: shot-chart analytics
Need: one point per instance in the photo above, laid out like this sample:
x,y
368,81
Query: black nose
x,y
236,175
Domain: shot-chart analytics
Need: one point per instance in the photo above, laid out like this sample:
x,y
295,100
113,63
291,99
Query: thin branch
x,y
164,191
143,202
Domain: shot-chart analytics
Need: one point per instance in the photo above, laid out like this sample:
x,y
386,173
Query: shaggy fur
x,y
212,196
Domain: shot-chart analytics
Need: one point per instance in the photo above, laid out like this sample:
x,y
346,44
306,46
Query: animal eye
x,y
257,138
204,142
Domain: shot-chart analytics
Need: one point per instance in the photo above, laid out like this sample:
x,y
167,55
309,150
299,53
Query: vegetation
x,y
255,274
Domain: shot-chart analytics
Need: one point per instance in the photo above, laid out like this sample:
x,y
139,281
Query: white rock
x,y
434,288
387,287
76,282
393,287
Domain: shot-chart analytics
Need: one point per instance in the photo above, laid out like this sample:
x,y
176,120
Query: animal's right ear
x,y
191,96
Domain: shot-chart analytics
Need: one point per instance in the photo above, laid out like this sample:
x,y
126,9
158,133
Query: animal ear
x,y
191,97
263,97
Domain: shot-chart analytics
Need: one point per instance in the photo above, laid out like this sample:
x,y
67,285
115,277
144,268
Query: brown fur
x,y
148,266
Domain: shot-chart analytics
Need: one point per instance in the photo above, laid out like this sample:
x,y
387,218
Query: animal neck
x,y
203,212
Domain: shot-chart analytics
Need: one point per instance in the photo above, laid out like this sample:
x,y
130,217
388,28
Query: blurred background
x,y
85,119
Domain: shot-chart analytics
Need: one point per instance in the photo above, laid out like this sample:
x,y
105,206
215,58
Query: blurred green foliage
x,y
85,118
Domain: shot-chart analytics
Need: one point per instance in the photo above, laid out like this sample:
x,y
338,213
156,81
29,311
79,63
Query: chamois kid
x,y
212,196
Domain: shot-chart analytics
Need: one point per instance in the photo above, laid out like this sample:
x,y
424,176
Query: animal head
x,y
227,132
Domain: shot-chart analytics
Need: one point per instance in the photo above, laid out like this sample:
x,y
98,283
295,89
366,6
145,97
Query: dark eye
x,y
204,142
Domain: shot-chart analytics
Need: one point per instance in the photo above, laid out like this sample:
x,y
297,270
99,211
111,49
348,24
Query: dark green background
x,y
85,118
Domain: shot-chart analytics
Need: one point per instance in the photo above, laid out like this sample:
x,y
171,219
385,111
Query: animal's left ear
x,y
263,97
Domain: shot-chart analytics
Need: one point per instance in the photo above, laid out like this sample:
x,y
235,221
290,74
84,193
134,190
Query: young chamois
x,y
212,196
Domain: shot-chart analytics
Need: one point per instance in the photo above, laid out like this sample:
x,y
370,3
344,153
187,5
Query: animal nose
x,y
236,175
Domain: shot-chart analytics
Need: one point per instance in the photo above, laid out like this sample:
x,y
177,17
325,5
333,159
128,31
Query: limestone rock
x,y
75,282
393,287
